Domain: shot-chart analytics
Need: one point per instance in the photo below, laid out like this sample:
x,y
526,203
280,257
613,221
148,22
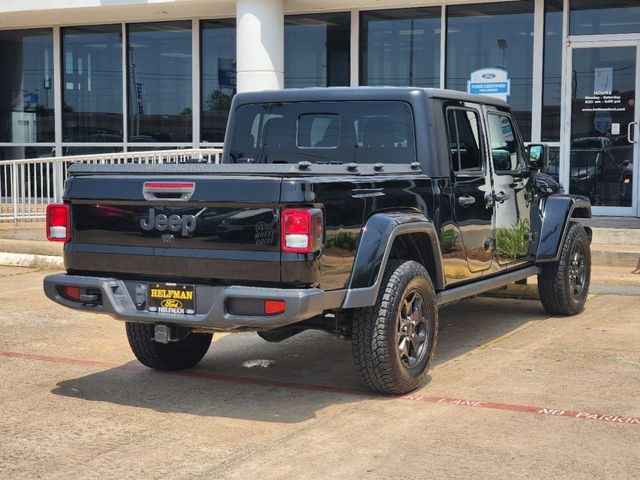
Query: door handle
x,y
489,202
500,197
631,139
466,201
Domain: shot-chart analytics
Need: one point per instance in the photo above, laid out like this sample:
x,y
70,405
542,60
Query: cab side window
x,y
464,140
505,152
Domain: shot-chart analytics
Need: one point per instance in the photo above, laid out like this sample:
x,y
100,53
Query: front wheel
x,y
564,285
175,355
393,341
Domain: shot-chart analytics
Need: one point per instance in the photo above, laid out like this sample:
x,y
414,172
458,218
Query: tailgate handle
x,y
170,191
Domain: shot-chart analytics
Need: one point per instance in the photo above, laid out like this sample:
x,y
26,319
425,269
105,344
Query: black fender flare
x,y
554,217
374,249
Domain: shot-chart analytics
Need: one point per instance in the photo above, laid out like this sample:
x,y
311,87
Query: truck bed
x,y
236,214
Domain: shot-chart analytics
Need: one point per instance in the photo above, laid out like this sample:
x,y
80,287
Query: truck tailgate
x,y
225,230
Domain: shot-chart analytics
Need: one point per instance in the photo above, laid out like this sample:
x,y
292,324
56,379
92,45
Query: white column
x,y
260,45
355,48
195,80
57,88
125,87
443,46
58,174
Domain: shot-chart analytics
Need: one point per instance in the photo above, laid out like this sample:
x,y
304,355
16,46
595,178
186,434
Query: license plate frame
x,y
172,299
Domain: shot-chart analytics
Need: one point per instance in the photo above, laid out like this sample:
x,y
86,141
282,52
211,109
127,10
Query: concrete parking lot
x,y
513,393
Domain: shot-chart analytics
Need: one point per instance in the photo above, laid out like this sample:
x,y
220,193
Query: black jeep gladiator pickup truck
x,y
358,211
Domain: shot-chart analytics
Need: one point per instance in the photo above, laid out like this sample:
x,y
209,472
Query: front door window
x,y
512,206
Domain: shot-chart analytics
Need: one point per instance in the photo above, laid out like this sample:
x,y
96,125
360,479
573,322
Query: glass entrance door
x,y
602,142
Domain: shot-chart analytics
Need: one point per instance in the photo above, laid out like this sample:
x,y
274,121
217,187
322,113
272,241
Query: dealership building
x,y
101,76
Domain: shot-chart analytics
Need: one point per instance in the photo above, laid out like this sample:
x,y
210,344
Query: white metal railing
x,y
28,186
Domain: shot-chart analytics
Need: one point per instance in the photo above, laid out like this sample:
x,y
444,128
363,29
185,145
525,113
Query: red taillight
x,y
58,223
301,230
274,307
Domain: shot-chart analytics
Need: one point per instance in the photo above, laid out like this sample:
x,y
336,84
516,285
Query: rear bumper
x,y
117,299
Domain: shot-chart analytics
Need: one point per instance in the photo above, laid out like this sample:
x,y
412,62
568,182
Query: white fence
x,y
28,186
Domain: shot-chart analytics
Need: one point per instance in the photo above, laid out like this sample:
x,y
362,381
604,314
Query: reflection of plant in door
x,y
343,241
511,242
448,241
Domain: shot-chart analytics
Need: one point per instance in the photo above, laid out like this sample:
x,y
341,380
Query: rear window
x,y
318,130
323,132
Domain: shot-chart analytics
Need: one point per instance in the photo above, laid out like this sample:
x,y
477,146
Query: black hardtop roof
x,y
408,94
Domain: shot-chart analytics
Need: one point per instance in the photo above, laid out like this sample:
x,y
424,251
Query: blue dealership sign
x,y
486,88
490,81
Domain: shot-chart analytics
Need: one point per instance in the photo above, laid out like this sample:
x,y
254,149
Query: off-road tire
x,y
375,330
557,292
177,355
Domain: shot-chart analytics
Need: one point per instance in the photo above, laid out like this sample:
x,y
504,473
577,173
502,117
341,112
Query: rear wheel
x,y
564,285
175,355
393,341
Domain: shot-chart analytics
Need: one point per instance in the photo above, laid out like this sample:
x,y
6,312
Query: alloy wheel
x,y
413,329
577,271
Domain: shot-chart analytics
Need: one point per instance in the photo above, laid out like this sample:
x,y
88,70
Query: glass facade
x,y
218,76
317,53
160,82
496,36
400,47
316,50
89,150
594,17
131,86
19,153
26,86
397,47
92,84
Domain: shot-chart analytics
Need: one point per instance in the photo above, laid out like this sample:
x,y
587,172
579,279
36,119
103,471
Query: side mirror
x,y
537,156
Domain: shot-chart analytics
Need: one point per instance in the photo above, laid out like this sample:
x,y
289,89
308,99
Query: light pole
x,y
502,45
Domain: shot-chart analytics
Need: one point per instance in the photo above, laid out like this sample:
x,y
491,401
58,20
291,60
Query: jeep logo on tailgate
x,y
175,223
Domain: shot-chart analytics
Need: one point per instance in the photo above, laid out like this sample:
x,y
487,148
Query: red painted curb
x,y
415,397
556,412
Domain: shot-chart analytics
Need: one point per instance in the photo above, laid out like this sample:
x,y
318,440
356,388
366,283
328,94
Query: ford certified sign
x,y
490,81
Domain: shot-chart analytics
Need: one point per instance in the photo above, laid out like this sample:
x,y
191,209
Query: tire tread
x,y
372,330
172,356
552,281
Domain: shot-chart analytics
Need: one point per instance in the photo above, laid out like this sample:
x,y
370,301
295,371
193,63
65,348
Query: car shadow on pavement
x,y
293,379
